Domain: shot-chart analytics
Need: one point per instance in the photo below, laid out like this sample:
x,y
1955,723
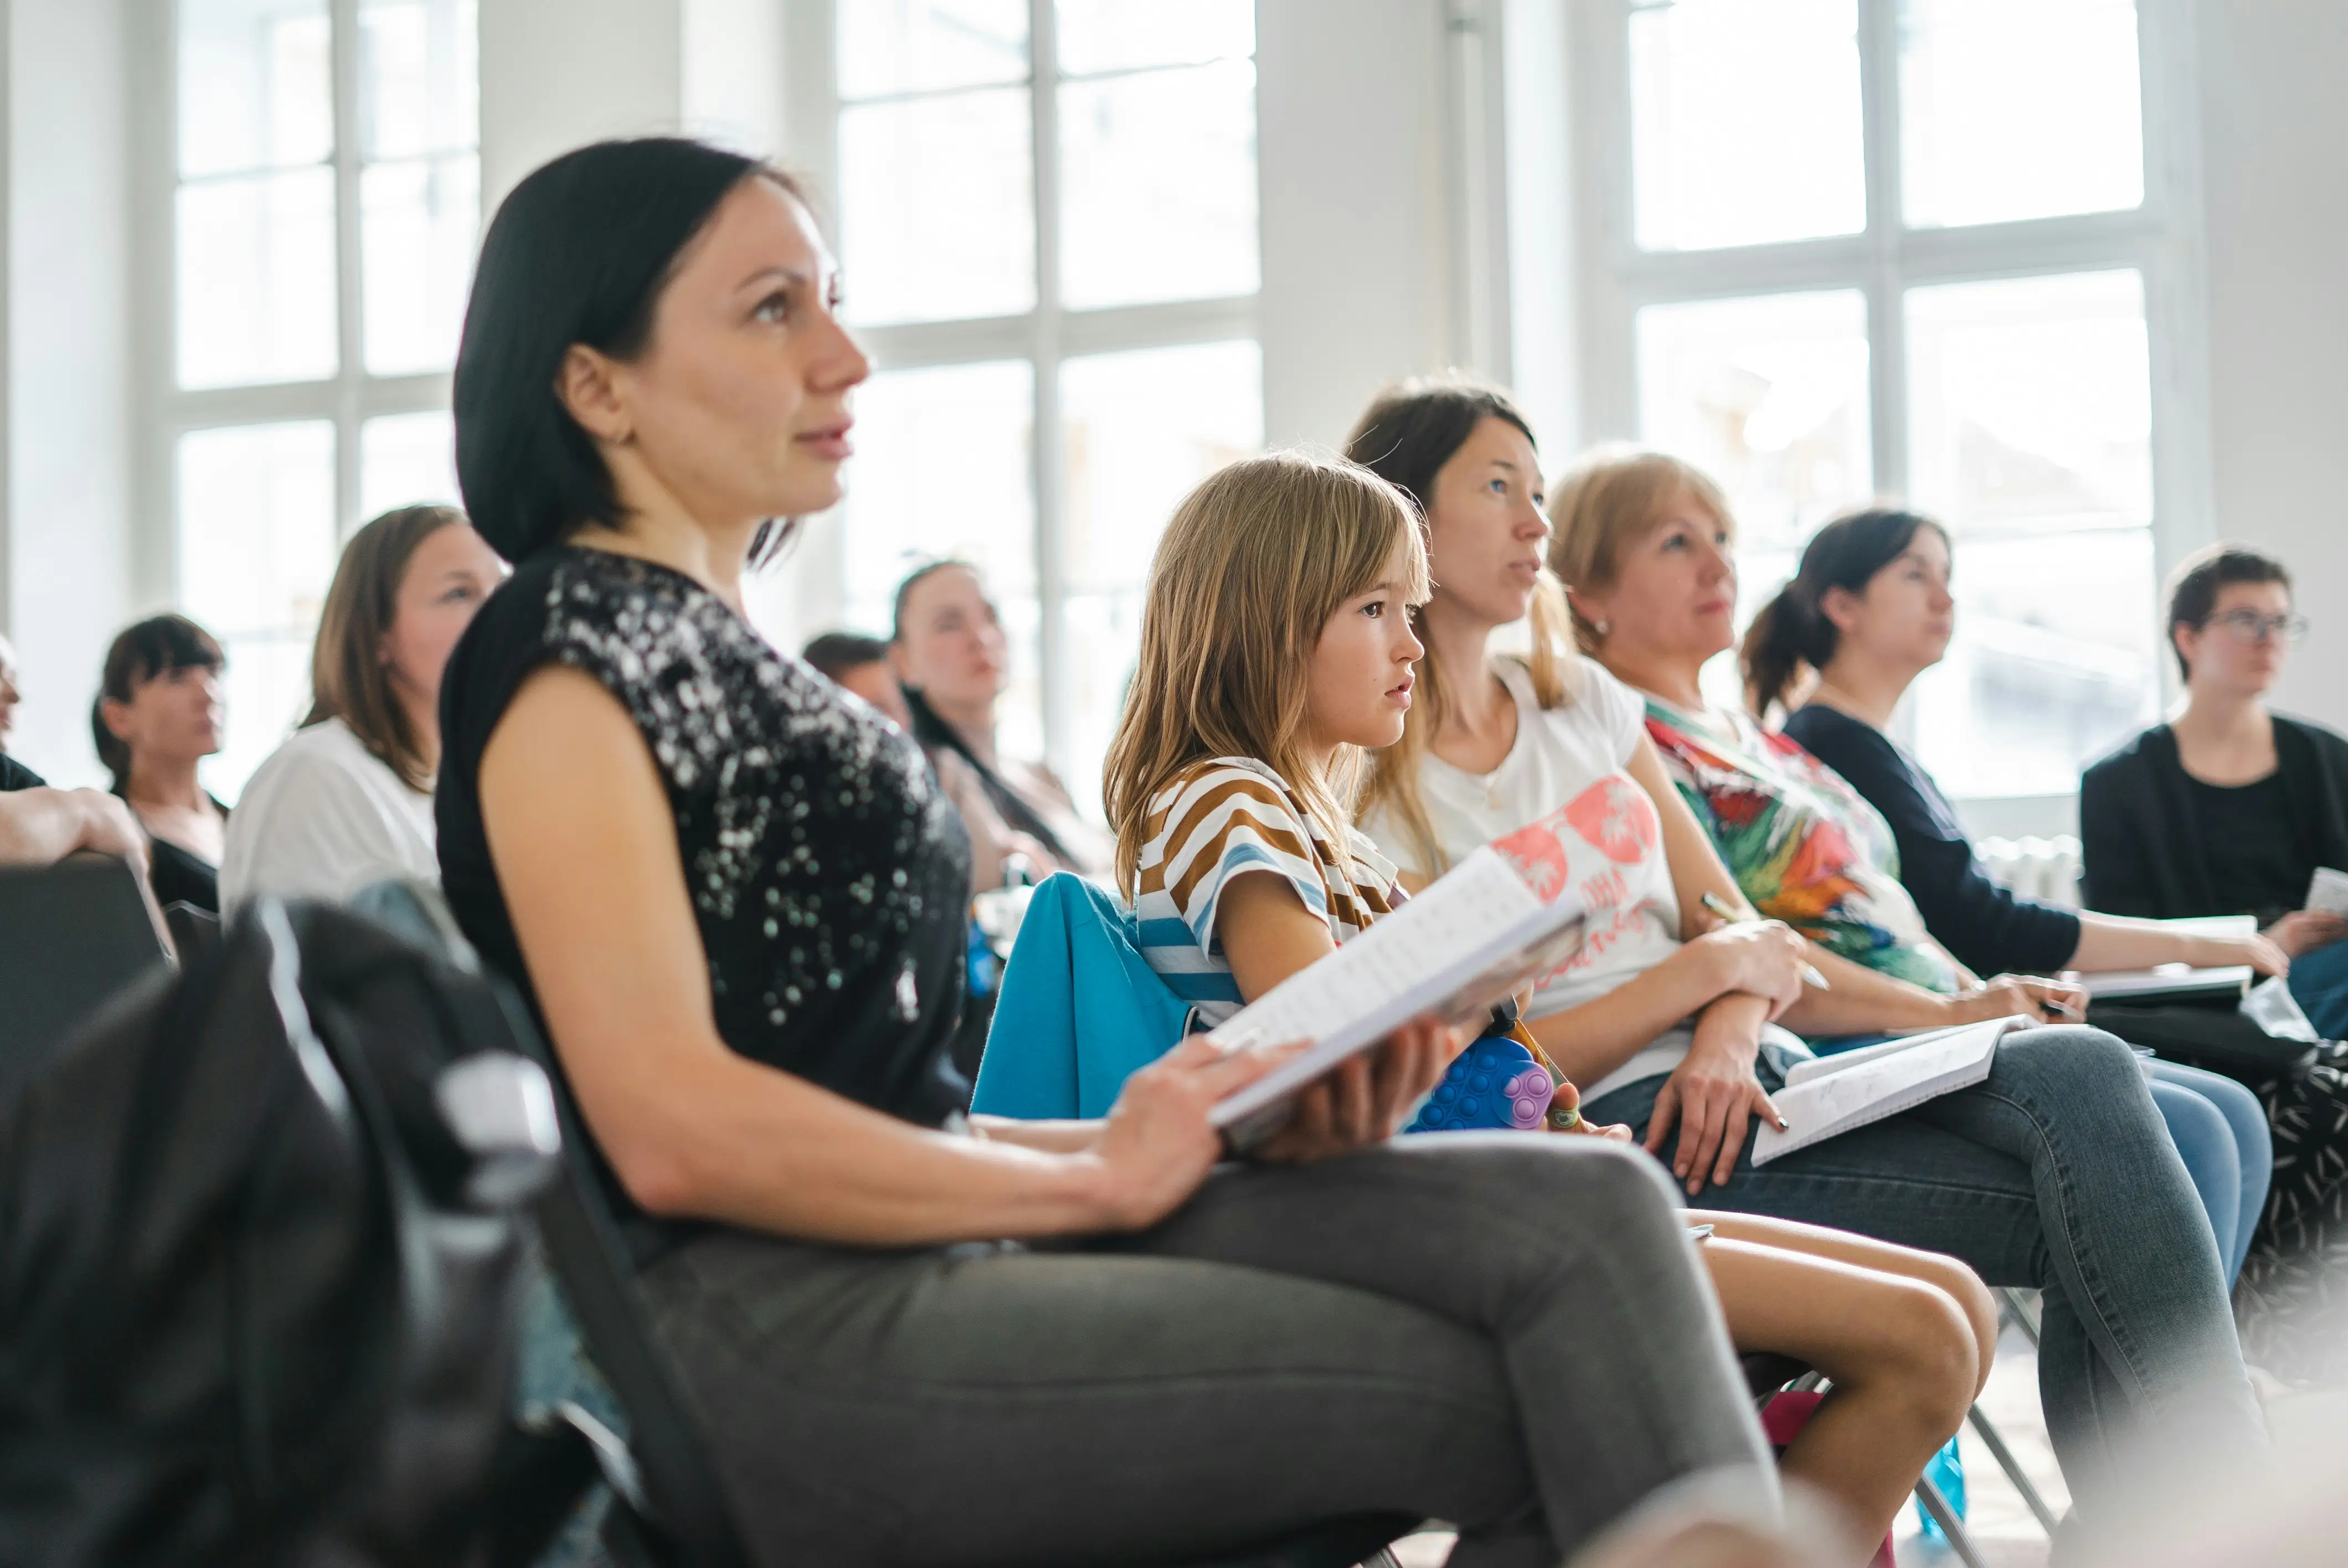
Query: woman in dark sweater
x,y
2229,808
1869,609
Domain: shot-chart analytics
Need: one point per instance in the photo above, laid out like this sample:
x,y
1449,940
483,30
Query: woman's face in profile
x,y
739,403
178,714
953,647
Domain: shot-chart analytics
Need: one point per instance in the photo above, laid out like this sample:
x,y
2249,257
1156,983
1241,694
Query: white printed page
x,y
2328,891
1878,1086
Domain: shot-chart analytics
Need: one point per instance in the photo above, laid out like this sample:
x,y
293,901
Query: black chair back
x,y
72,937
680,1502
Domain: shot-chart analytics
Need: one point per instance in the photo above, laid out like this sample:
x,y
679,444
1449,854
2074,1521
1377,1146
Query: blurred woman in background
x,y
950,653
159,714
348,801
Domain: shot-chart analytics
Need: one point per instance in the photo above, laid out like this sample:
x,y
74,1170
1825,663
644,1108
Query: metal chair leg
x,y
1951,1525
1989,1434
2013,1305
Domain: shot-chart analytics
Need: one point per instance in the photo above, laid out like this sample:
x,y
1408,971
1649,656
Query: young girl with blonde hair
x,y
1277,655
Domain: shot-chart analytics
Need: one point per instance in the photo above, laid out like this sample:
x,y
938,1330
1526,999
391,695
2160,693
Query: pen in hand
x,y
1719,907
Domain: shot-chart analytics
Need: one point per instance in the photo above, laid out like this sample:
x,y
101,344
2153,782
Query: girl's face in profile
x,y
1358,684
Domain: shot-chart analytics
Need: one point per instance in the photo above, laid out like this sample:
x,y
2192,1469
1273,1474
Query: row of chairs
x,y
76,937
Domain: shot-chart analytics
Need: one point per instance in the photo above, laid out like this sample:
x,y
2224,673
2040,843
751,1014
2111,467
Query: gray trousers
x,y
1509,1332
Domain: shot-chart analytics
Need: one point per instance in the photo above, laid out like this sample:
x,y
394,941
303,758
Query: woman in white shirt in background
x,y
348,801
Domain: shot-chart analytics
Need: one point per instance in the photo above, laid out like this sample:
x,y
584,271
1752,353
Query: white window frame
x,y
2161,240
347,399
1046,337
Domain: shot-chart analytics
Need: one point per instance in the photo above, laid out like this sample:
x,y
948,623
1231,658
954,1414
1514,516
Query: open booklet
x,y
2168,982
1832,1095
1496,921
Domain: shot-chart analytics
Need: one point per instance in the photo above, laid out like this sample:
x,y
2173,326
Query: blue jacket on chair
x,y
1079,1011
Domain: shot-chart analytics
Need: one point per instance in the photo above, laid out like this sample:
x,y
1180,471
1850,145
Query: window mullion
x,y
1051,573
1878,79
350,300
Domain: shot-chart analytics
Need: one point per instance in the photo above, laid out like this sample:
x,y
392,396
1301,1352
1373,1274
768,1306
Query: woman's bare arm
x,y
695,1129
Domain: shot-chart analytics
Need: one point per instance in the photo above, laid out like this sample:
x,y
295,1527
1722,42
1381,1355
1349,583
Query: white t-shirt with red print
x,y
1567,772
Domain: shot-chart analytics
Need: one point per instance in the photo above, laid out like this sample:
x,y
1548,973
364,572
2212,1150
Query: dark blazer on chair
x,y
2141,848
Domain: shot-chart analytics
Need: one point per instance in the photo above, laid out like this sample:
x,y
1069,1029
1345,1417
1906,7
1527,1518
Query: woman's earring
x,y
1603,627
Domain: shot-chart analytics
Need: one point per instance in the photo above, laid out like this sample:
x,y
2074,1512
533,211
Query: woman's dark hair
x,y
1792,630
836,653
1412,429
578,253
154,647
348,679
2193,590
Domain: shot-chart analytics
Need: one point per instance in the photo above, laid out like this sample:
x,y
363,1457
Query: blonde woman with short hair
x,y
348,801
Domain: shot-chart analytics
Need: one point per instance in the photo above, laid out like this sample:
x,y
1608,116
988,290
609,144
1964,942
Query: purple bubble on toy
x,y
1528,1094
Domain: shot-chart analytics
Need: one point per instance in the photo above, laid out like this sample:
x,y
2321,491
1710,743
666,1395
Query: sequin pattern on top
x,y
828,874
806,819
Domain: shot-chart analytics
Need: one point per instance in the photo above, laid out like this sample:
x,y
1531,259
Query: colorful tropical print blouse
x,y
1803,845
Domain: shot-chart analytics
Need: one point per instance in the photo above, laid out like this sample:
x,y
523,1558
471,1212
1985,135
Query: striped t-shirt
x,y
1222,818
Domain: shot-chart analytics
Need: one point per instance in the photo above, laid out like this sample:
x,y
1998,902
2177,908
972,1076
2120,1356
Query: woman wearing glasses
x,y
2230,807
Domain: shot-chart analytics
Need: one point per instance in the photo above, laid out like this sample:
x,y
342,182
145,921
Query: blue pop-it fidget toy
x,y
1494,1082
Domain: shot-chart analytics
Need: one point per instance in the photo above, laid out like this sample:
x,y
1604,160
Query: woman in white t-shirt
x,y
348,801
2057,1173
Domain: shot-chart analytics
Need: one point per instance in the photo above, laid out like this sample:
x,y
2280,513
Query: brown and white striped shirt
x,y
1222,818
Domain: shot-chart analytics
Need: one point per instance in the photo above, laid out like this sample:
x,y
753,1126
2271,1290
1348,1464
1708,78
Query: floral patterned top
x,y
1803,845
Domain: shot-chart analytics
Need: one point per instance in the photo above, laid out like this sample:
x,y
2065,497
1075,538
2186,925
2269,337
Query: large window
x,y
1907,248
325,195
1047,231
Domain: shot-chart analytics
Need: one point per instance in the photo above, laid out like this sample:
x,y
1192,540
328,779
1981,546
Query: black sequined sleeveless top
x,y
828,874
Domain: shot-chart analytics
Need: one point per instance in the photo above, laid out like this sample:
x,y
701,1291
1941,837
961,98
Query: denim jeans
x,y
2054,1171
2319,983
2221,1135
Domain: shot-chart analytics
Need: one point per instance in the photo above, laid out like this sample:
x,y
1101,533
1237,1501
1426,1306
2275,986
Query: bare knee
x,y
1930,1352
1974,1300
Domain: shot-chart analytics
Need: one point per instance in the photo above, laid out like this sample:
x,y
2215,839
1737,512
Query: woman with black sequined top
x,y
735,900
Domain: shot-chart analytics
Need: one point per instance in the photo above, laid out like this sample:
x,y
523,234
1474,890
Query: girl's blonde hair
x,y
1406,436
1606,503
1252,565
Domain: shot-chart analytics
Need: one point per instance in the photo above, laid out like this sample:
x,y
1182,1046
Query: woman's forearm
x,y
770,1152
2118,942
1592,1039
1860,1001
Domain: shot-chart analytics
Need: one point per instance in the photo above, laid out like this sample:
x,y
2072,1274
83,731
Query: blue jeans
x,y
2221,1135
2319,983
2054,1171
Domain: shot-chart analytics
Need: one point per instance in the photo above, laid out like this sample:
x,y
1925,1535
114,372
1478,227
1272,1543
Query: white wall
x,y
1358,244
557,73
2274,126
68,536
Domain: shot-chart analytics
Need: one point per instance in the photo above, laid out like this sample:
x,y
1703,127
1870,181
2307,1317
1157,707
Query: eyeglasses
x,y
2250,626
